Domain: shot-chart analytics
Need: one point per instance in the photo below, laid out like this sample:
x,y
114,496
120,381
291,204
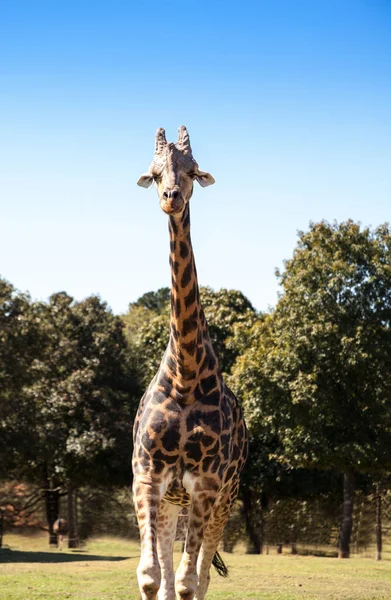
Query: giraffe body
x,y
190,439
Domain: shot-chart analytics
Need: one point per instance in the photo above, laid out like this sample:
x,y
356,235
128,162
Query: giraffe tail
x,y
219,565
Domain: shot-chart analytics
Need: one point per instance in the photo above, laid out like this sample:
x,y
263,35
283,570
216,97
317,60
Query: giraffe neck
x,y
190,351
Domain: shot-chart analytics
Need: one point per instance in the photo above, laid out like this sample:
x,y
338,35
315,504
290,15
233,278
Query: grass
x,y
105,570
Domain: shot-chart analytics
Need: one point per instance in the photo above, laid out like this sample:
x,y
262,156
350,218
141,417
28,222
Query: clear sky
x,y
288,106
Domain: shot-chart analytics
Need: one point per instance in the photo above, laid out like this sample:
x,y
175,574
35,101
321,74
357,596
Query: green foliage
x,y
79,401
228,312
319,372
18,348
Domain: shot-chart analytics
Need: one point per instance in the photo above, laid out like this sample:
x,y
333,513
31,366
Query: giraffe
x,y
190,438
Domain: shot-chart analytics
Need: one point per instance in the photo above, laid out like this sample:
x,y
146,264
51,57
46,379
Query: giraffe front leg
x,y
147,495
167,523
186,580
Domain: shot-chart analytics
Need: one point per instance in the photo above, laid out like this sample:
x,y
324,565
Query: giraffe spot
x,y
197,393
190,324
146,441
215,448
145,462
172,406
190,347
214,421
172,364
191,296
173,226
206,463
196,436
187,273
230,473
213,399
236,453
174,331
174,284
207,440
225,450
204,364
207,504
189,375
170,439
193,451
167,458
216,464
158,466
158,422
177,307
172,246
174,266
186,219
194,419
208,384
210,483
180,397
211,362
183,249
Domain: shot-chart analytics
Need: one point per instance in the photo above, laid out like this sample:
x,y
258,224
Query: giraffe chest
x,y
173,438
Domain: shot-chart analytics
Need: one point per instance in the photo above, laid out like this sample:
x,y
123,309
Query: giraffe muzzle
x,y
172,202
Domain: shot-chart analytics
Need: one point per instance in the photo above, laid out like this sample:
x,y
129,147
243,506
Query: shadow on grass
x,y
18,556
318,553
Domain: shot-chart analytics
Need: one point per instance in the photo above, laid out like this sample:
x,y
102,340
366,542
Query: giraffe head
x,y
174,171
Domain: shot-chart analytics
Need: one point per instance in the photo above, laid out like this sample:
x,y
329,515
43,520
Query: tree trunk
x,y
347,518
1,526
379,540
73,541
255,538
52,506
294,547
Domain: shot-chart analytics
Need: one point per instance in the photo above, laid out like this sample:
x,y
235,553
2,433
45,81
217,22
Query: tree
x,y
80,401
324,381
18,348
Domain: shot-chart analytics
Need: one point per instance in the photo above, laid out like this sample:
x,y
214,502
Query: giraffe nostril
x,y
165,195
174,194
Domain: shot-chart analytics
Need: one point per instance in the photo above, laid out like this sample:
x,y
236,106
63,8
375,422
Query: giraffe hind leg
x,y
203,496
213,534
166,529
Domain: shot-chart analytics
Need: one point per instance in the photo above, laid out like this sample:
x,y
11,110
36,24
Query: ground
x,y
105,570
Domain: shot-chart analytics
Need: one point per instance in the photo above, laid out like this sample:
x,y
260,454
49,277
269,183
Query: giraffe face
x,y
174,171
174,179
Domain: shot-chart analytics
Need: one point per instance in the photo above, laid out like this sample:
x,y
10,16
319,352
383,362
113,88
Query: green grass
x,y
105,570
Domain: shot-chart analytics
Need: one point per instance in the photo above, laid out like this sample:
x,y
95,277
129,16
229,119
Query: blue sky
x,y
287,102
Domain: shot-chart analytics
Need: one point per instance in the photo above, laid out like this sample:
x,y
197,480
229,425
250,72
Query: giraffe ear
x,y
146,180
204,179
